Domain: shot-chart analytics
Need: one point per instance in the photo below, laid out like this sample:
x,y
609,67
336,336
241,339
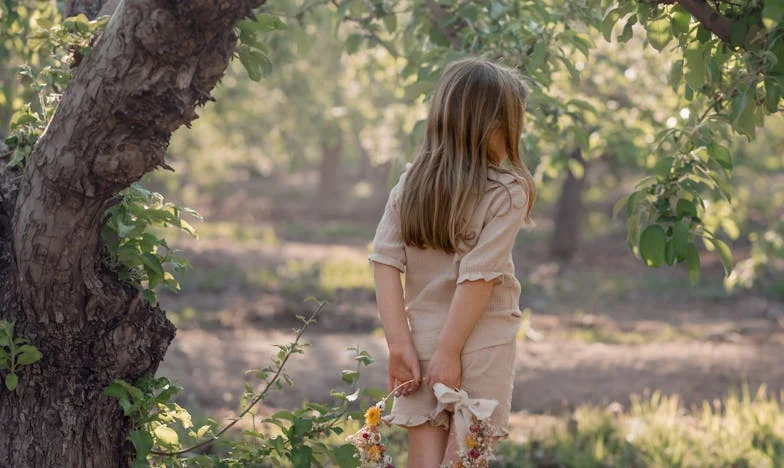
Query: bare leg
x,y
426,445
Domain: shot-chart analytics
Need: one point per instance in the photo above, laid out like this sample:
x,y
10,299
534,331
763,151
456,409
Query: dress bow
x,y
463,407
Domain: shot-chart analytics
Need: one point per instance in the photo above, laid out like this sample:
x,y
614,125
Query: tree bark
x,y
568,214
329,171
154,63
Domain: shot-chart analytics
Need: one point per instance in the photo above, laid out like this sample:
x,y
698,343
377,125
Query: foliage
x,y
15,353
741,430
300,438
135,250
734,79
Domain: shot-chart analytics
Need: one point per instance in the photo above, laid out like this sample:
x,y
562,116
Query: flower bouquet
x,y
472,429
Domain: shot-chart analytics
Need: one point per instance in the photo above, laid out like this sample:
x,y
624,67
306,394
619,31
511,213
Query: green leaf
x,y
352,43
349,376
22,117
343,456
116,390
149,294
724,253
302,426
676,73
772,95
167,435
694,64
142,442
772,13
680,239
267,22
390,22
302,456
693,263
659,34
742,109
78,23
255,62
28,354
653,243
608,22
680,21
11,381
685,207
628,29
721,154
669,253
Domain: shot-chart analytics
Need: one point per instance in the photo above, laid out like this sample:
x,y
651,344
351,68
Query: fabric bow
x,y
464,408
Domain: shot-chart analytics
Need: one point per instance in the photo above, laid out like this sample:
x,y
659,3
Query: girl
x,y
449,225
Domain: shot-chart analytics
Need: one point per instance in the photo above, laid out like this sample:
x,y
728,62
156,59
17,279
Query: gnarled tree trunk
x,y
154,63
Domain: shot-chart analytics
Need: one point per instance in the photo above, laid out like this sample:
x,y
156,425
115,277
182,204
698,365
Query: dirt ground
x,y
601,329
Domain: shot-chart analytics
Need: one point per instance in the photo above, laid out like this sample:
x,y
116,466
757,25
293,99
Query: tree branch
x,y
710,18
440,16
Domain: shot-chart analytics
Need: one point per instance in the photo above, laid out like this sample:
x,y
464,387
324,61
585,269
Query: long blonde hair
x,y
472,98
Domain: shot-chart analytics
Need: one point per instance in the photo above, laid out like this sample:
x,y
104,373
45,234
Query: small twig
x,y
253,402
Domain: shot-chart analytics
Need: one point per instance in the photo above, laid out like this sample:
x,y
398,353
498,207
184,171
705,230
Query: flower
x,y
471,441
474,453
374,453
373,416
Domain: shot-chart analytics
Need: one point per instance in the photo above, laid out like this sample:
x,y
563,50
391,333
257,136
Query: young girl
x,y
450,224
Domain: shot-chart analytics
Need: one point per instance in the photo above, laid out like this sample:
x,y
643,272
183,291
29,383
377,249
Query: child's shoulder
x,y
505,189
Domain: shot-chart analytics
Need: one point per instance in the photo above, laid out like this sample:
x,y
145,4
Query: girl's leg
x,y
426,446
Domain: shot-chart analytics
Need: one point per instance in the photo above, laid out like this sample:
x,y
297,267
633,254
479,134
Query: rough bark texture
x,y
155,62
568,214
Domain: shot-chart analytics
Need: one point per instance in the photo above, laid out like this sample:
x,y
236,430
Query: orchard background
x,y
653,286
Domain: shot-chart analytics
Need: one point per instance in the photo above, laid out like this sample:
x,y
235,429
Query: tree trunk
x,y
331,147
568,213
156,60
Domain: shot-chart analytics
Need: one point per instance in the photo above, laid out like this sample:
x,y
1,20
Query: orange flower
x,y
373,416
471,441
374,453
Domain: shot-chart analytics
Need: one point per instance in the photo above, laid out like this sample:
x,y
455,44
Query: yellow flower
x,y
374,453
373,416
471,441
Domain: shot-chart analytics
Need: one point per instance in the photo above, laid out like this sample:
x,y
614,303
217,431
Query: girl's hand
x,y
445,367
404,366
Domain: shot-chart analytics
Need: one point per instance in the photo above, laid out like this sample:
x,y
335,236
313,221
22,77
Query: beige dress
x,y
431,277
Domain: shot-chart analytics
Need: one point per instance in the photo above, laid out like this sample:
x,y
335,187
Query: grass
x,y
610,335
742,430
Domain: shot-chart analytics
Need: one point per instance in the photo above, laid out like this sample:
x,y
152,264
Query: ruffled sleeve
x,y
388,245
491,256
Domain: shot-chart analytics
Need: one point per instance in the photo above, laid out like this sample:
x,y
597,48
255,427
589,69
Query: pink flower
x,y
474,453
475,428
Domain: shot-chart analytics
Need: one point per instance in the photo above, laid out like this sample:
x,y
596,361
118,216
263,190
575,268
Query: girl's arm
x,y
479,270
403,360
468,304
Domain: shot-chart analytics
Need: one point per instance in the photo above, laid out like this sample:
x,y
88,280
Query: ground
x,y
597,331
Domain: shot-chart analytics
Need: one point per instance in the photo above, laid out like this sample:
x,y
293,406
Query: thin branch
x,y
719,25
255,401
